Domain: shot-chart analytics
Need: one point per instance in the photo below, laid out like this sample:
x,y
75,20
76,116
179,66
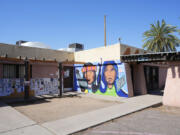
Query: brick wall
x,y
45,70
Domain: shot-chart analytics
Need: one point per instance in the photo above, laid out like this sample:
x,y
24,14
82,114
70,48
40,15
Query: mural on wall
x,y
108,78
43,86
8,86
87,78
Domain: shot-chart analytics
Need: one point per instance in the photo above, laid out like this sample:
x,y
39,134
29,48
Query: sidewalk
x,y
74,123
10,119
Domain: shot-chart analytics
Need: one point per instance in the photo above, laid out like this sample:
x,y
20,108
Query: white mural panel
x,y
7,86
44,86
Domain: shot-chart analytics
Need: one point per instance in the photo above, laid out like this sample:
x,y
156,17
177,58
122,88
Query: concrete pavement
x,y
11,119
29,130
21,125
93,118
161,120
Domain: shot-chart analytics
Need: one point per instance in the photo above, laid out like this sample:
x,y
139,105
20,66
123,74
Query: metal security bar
x,y
13,71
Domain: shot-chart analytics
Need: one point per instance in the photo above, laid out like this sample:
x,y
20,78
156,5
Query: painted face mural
x,y
89,72
113,80
87,81
108,78
110,75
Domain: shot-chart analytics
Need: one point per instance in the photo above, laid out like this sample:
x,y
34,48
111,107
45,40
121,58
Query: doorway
x,y
152,78
68,78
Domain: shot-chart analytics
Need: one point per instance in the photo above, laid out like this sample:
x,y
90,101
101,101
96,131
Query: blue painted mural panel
x,y
108,78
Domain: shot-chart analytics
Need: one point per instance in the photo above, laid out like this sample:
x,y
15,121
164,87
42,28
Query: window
x,y
13,71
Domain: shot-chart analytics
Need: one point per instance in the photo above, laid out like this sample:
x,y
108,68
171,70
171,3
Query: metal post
x,y
105,30
60,80
26,92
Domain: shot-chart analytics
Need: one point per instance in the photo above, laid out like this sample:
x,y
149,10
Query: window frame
x,y
17,72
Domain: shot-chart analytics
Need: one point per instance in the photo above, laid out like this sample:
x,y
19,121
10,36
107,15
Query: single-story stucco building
x,y
115,70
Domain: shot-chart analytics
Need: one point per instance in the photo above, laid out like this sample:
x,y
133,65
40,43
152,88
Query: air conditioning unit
x,y
77,46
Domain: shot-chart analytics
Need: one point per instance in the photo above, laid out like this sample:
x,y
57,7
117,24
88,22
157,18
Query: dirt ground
x,y
58,108
169,110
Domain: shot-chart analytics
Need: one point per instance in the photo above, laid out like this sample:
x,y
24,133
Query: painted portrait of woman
x,y
110,79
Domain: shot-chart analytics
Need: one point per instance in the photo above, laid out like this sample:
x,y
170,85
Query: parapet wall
x,y
111,52
14,51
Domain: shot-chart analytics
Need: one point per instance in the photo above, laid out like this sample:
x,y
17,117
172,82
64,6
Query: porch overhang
x,y
151,57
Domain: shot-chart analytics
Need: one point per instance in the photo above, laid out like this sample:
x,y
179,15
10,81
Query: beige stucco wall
x,y
139,80
13,51
171,95
111,52
162,76
129,80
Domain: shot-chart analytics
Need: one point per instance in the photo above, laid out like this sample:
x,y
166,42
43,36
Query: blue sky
x,y
60,22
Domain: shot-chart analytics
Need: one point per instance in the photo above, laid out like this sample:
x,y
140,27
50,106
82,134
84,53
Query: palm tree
x,y
161,38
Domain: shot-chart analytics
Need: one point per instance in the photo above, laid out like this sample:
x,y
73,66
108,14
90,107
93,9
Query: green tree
x,y
161,38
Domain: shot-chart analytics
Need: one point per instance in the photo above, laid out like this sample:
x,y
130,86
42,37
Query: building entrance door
x,y
152,78
68,78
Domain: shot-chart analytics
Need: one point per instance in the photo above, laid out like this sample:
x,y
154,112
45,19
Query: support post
x,y
27,71
60,80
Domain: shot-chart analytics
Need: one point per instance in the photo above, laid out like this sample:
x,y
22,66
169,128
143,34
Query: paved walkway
x,y
162,120
14,123
10,119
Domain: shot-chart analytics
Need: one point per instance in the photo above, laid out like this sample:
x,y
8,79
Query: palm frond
x,y
160,37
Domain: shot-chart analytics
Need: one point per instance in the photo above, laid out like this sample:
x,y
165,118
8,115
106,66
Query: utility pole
x,y
119,40
105,30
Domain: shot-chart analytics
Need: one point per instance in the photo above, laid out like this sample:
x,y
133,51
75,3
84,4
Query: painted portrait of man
x,y
86,78
89,73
